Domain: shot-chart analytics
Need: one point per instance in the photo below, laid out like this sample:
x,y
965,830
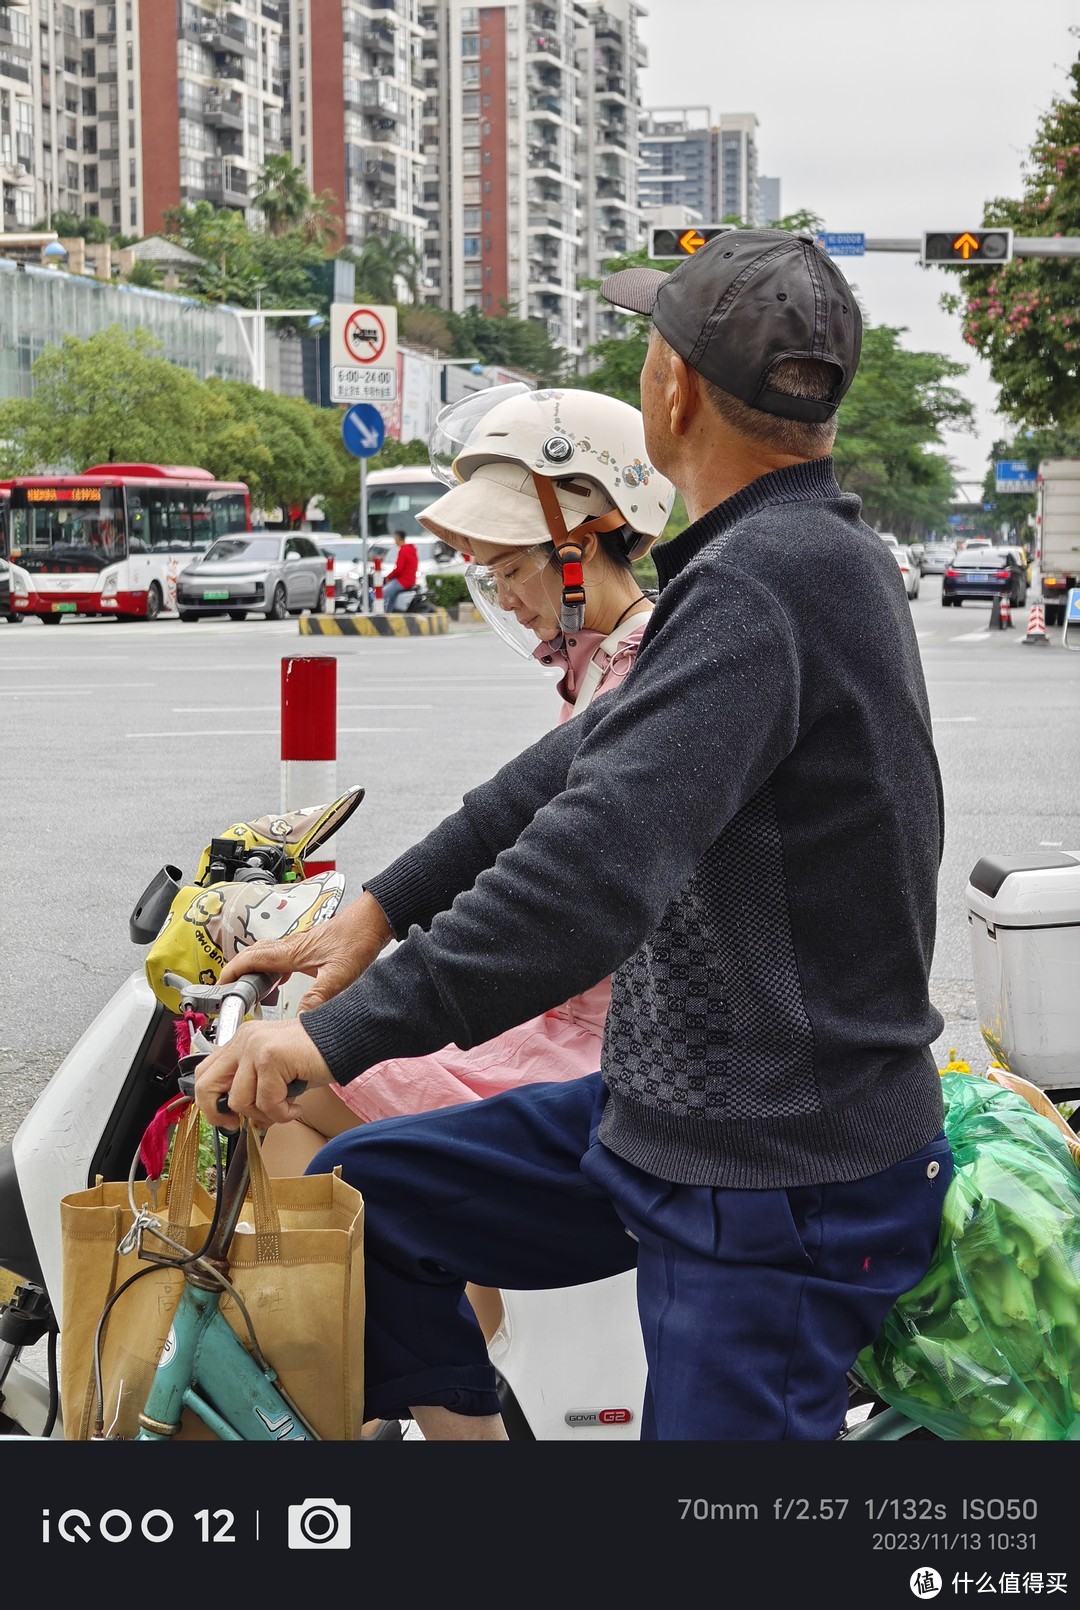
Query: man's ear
x,y
684,398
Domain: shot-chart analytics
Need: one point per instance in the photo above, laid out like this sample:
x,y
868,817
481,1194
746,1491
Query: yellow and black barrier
x,y
434,624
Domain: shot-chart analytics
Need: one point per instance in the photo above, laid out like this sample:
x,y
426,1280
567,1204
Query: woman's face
x,y
527,584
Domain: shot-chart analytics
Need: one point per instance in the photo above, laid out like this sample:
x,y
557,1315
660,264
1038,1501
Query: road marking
x,y
967,637
937,721
258,709
249,732
87,687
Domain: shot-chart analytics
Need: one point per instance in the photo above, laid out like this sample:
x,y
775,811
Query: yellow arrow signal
x,y
966,245
691,241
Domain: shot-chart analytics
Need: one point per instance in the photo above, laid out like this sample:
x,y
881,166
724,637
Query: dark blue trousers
x,y
753,1304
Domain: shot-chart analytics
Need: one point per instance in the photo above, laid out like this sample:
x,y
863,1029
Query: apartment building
x,y
354,108
737,167
530,145
709,168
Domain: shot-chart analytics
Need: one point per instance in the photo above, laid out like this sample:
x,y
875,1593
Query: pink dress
x,y
563,1043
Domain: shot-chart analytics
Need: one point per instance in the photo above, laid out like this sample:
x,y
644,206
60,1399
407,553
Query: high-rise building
x,y
678,155
768,201
354,107
737,175
706,168
530,143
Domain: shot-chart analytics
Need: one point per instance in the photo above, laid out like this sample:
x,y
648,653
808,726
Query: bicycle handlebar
x,y
230,1003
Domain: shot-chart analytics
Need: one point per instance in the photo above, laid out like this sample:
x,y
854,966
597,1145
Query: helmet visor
x,y
455,424
519,597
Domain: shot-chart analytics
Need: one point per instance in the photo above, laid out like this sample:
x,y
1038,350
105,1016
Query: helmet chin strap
x,y
572,605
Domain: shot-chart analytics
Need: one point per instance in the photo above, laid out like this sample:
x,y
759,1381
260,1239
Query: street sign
x,y
363,352
968,246
1013,475
843,245
686,241
363,430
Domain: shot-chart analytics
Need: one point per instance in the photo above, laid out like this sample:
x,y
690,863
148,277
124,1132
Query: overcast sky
x,y
885,119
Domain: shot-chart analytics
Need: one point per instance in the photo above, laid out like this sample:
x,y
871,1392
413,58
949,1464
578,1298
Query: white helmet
x,y
594,443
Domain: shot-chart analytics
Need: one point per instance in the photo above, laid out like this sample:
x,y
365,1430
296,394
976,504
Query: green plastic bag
x,y
987,1346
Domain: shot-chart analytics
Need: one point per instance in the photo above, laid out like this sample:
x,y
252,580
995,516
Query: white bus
x,y
394,499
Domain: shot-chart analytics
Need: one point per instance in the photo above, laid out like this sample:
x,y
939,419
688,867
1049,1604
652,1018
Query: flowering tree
x,y
1024,317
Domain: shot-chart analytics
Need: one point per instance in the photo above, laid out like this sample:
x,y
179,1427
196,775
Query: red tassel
x,y
154,1146
185,1028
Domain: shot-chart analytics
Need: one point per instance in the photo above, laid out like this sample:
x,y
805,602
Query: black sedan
x,y
273,573
983,574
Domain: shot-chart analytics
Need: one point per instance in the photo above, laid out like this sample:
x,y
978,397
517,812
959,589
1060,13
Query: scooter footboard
x,y
574,1360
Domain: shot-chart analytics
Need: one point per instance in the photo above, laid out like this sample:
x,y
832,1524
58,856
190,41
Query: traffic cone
x,y
1006,613
1036,627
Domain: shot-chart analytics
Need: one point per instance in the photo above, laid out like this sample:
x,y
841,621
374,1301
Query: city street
x,y
128,746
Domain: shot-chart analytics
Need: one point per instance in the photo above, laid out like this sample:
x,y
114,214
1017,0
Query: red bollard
x,y
309,737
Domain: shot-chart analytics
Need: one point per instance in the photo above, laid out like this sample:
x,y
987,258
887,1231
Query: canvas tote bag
x,y
296,1261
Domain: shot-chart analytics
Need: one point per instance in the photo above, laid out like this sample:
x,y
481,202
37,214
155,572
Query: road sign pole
x,y
364,535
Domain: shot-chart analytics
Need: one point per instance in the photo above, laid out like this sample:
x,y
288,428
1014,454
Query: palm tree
x,y
382,262
282,194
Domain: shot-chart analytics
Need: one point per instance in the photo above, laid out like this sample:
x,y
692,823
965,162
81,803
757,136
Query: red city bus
x,y
112,540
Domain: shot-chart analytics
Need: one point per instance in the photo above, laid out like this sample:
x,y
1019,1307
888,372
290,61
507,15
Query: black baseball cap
x,y
744,302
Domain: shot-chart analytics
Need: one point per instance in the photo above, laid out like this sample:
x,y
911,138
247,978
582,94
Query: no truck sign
x,y
363,352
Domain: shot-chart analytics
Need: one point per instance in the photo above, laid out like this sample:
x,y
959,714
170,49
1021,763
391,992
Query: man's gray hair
x,y
795,377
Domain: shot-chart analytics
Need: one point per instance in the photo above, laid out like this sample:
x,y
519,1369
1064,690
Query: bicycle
x,y
205,1367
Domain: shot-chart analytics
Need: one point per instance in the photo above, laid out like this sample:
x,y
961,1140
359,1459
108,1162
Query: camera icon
x,y
319,1523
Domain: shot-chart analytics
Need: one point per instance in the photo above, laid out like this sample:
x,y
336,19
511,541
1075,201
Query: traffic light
x,y
968,246
686,241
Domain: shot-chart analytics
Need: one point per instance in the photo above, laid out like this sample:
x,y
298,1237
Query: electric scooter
x,y
571,1362
90,1118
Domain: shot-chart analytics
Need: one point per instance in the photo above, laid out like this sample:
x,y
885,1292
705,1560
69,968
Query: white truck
x,y
1057,533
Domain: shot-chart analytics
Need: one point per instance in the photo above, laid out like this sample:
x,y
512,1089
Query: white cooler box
x,y
1024,920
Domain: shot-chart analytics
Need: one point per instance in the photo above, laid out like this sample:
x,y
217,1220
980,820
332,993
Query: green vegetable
x,y
987,1346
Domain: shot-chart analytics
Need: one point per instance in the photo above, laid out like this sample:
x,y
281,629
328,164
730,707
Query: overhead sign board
x,y
1013,475
843,245
363,352
684,242
967,246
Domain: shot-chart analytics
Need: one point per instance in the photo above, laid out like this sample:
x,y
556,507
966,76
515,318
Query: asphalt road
x,y
129,745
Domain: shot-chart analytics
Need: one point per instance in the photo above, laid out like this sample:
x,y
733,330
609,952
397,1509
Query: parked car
x,y
909,570
273,573
935,557
982,573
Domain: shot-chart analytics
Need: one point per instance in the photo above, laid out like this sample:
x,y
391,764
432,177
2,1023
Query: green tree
x,y
110,395
276,444
383,264
890,424
1024,317
282,194
1028,446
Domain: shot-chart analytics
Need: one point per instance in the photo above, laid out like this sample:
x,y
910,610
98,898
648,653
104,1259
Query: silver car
x,y
271,573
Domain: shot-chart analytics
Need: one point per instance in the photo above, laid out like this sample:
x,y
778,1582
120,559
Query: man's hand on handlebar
x,y
254,1069
334,952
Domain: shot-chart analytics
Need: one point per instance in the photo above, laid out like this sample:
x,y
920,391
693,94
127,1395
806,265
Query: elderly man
x,y
747,836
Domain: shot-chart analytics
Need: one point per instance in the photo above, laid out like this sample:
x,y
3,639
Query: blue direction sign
x,y
363,430
843,245
1013,475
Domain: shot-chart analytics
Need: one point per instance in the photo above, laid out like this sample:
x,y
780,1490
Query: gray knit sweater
x,y
747,834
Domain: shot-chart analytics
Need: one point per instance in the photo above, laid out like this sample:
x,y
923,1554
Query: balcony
x,y
224,111
380,97
222,36
377,37
226,185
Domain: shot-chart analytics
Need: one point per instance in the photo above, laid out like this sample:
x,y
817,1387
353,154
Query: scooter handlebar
x,y
231,1003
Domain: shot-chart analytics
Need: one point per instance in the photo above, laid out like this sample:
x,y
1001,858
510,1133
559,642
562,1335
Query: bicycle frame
x,y
204,1366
